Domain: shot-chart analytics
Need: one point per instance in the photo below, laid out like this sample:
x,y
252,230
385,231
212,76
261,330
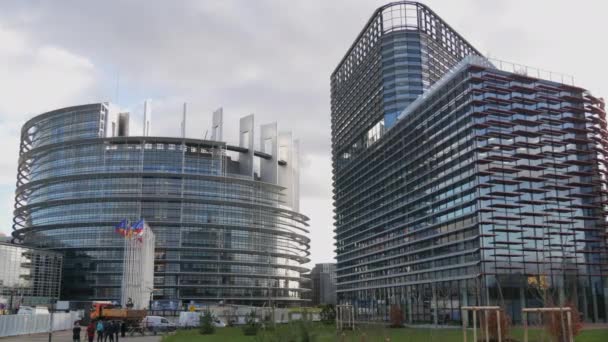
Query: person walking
x,y
76,332
91,331
116,330
123,329
100,331
107,331
111,332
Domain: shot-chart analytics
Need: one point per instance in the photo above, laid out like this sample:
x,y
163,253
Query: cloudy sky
x,y
268,57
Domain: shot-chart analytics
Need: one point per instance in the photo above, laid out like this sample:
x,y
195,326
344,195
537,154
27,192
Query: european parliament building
x,y
226,217
459,180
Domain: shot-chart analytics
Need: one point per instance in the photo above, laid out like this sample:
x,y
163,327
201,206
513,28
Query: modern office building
x,y
463,181
323,282
226,218
28,276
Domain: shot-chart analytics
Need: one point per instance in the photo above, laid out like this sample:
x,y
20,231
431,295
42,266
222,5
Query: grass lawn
x,y
327,334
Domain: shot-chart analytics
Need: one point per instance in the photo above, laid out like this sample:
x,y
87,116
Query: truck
x,y
131,318
109,311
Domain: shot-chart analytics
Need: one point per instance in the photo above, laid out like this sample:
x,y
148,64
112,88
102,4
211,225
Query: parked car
x,y
158,324
36,310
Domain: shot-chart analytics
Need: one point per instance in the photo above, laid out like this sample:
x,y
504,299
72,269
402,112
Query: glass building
x,y
323,284
226,218
488,187
28,276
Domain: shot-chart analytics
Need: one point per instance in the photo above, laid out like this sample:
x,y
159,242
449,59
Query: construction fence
x,y
14,325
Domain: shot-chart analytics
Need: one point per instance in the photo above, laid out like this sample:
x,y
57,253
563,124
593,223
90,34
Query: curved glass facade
x,y
220,235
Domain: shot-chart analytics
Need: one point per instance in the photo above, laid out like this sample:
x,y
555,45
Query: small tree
x,y
251,324
328,314
505,325
556,323
396,317
268,323
206,326
232,317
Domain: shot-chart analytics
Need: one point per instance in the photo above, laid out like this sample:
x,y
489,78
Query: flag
x,y
138,229
121,227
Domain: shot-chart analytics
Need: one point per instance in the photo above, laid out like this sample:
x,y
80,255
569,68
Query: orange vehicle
x,y
105,310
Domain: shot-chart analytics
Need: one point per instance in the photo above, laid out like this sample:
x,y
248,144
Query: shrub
x,y
328,314
251,325
306,332
396,317
268,323
206,326
553,325
505,325
279,335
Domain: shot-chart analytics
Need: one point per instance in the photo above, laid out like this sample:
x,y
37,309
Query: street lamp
x,y
271,306
53,301
151,297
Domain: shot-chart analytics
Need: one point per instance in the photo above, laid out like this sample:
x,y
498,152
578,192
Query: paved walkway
x,y
66,336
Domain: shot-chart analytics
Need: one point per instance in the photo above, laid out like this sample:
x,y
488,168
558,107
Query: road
x,y
61,336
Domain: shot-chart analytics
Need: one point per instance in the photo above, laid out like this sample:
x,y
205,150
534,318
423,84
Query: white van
x,y
157,323
37,310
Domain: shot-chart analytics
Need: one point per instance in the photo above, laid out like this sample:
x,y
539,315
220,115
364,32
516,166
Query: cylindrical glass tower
x,y
221,234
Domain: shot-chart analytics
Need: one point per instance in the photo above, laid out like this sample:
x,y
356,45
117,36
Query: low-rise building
x,y
28,276
323,282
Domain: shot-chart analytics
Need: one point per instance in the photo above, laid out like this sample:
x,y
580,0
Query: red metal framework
x,y
543,175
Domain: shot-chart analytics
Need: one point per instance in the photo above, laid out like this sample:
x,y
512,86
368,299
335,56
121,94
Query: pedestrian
x,y
76,332
91,331
123,329
116,329
100,331
108,331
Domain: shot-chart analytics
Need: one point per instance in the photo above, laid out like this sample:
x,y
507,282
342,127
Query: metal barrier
x,y
14,325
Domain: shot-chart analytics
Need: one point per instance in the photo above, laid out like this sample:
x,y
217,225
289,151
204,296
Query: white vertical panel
x,y
286,167
269,144
246,141
217,125
147,117
184,113
295,165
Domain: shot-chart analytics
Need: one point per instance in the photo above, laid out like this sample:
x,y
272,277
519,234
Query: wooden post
x,y
474,326
498,324
338,318
561,324
464,325
525,319
487,329
570,334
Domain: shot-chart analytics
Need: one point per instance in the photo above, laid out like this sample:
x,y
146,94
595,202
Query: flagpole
x,y
124,268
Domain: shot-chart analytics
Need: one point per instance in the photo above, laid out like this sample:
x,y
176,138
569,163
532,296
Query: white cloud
x,y
34,78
